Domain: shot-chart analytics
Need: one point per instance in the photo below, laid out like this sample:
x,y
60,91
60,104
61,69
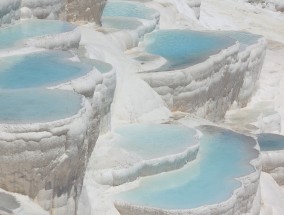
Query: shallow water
x,y
127,9
182,48
122,23
154,141
245,38
270,142
223,156
39,69
10,36
37,105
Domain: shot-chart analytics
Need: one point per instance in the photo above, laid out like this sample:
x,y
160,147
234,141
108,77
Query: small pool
x,y
223,156
270,142
37,105
39,69
183,48
152,141
121,23
127,9
15,34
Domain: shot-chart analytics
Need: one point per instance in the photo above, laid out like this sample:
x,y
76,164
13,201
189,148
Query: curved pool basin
x,y
37,105
15,34
154,141
183,48
211,178
270,142
129,9
39,69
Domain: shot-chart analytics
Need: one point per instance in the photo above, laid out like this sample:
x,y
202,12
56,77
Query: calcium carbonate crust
x,y
245,199
273,163
195,6
47,161
209,88
115,177
64,41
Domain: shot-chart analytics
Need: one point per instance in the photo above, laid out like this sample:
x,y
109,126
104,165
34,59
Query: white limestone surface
x,y
273,163
130,89
195,5
46,161
208,89
64,41
272,196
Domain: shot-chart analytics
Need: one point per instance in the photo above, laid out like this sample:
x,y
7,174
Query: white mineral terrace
x,y
109,115
182,191
190,89
142,150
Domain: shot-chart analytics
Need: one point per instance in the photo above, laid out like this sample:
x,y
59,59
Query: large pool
x,y
182,48
152,141
37,105
129,9
223,156
39,69
11,36
270,142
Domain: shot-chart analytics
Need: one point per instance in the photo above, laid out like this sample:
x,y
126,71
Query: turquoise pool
x,y
270,142
182,48
223,156
37,105
15,34
39,69
154,140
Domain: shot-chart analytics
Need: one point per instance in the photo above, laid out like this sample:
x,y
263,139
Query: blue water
x,y
153,141
223,156
245,38
270,142
102,66
10,36
39,69
128,9
121,23
37,105
182,48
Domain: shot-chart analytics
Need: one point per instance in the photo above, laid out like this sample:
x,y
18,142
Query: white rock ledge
x,y
209,88
244,200
127,39
273,163
99,88
47,161
115,177
64,41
